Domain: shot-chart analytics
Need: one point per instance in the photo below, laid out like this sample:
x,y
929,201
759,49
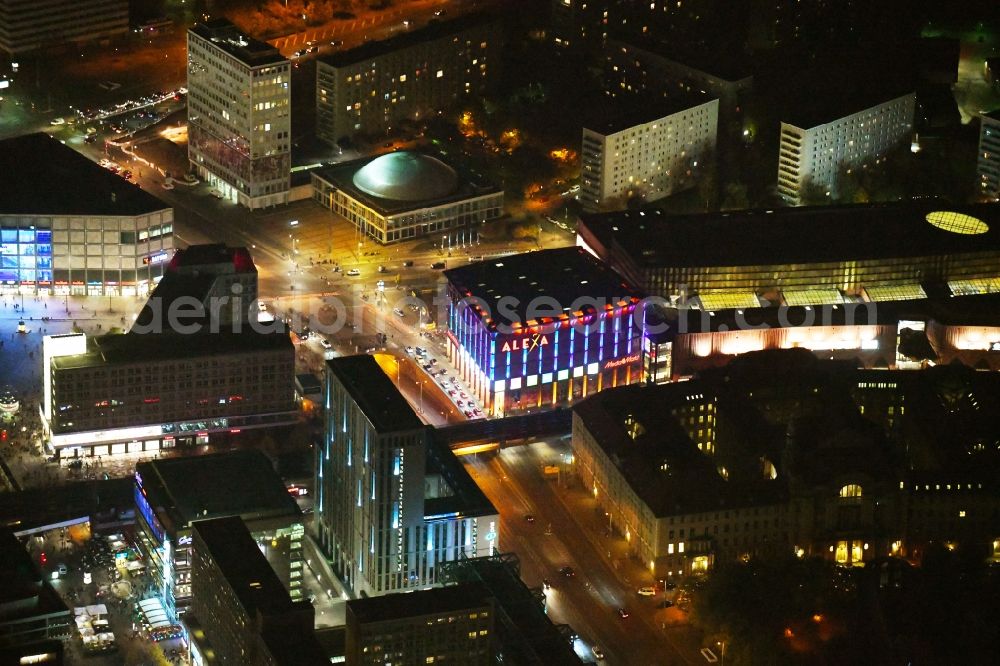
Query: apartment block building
x,y
372,88
780,452
989,155
381,525
27,25
649,155
453,624
239,114
173,495
241,613
818,143
178,376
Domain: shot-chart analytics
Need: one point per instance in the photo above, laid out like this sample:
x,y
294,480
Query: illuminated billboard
x,y
25,256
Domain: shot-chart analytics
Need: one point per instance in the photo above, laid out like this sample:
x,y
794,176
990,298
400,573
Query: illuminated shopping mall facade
x,y
555,357
90,233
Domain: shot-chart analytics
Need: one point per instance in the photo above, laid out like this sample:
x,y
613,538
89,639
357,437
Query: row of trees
x,y
811,611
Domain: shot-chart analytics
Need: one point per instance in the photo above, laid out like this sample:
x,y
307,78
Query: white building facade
x,y
239,114
989,156
372,88
651,159
817,153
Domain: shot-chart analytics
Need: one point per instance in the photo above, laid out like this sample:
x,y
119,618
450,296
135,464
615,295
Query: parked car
x,y
598,652
438,265
567,572
354,272
647,592
398,312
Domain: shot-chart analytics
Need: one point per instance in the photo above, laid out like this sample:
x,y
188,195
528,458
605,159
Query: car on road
x,y
469,414
437,265
408,263
452,392
354,272
168,186
433,361
420,351
666,603
325,344
598,652
90,138
410,350
546,584
216,193
568,572
530,518
460,403
57,121
382,269
337,42
647,591
623,613
62,569
398,312
262,306
439,12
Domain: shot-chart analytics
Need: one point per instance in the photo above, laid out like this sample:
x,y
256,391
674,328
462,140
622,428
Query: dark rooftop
x,y
726,64
433,31
630,113
662,464
191,273
435,601
134,347
817,103
379,399
526,633
564,274
46,177
215,257
234,483
24,592
235,42
467,498
803,234
244,567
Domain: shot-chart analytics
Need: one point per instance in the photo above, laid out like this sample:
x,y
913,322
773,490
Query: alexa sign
x,y
520,344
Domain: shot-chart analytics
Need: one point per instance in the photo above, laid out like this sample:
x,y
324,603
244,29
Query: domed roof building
x,y
407,194
406,176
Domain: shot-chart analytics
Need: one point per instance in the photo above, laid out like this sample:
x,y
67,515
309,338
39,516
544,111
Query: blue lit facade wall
x,y
549,365
25,256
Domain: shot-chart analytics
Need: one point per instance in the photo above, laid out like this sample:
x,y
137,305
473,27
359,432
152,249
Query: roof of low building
x,y
132,348
406,175
435,601
431,32
238,557
547,283
400,181
661,464
377,397
229,38
233,483
628,114
802,235
46,177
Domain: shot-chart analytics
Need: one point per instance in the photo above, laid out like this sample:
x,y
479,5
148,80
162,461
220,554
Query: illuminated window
x,y
851,490
440,73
